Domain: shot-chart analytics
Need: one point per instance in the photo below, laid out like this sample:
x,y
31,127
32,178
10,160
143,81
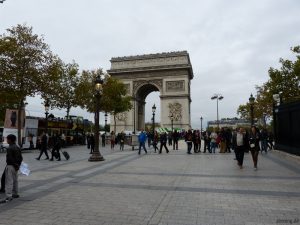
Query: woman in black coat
x,y
254,138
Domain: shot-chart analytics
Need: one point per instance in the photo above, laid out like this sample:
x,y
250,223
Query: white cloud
x,y
231,43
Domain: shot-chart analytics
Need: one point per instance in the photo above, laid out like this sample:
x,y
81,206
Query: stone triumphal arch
x,y
168,73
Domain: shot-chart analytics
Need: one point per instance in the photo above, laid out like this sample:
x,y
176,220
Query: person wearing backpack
x,y
13,160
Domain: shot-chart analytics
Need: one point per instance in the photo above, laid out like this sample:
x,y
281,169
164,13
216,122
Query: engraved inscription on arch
x,y
178,85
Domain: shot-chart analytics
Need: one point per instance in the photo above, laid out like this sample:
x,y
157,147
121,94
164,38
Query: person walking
x,y
122,141
170,134
92,143
239,142
254,138
228,138
112,140
189,141
175,139
44,146
155,141
142,139
56,147
163,142
213,142
88,140
264,140
207,141
13,160
103,139
2,189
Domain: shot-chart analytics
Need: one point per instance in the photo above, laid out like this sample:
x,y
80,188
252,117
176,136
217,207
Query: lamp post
x,y
251,101
276,102
46,113
201,118
153,118
172,119
96,156
218,97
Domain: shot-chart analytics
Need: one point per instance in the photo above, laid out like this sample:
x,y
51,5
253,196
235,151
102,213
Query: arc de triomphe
x,y
168,73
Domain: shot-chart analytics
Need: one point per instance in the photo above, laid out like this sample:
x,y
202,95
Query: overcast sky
x,y
231,43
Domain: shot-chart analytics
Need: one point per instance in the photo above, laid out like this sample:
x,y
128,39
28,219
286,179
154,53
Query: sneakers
x,y
37,158
255,168
15,196
8,199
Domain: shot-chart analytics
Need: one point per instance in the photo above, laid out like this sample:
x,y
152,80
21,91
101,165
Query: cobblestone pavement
x,y
156,189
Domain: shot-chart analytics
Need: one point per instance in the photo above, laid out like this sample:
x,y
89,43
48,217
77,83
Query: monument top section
x,y
159,61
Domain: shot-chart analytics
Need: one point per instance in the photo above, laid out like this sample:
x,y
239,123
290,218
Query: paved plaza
x,y
174,189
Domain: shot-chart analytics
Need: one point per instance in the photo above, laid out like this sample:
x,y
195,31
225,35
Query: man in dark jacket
x,y
163,142
56,147
13,160
44,146
239,143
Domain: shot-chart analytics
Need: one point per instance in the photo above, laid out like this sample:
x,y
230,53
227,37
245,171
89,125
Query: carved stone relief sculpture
x,y
175,85
175,109
121,116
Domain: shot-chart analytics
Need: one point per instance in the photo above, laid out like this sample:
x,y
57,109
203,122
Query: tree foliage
x,y
27,66
113,99
63,95
284,81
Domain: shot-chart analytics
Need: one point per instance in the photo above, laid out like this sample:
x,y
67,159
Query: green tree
x,y
63,91
284,81
27,66
113,99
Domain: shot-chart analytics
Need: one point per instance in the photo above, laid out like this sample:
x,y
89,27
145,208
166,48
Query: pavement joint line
x,y
194,189
208,176
291,166
34,194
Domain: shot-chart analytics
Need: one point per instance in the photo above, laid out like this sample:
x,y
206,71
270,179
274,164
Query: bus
x,y
70,129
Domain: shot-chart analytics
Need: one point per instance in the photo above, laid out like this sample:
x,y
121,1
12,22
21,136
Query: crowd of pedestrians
x,y
223,141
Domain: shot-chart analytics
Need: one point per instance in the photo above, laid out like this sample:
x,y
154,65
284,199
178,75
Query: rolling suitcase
x,y
66,155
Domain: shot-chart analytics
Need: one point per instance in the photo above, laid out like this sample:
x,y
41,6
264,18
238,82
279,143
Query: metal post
x,y
153,123
96,156
201,124
218,113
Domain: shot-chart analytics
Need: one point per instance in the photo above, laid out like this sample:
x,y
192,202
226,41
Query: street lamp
x,y
251,101
96,156
276,102
218,97
201,125
153,118
172,119
47,106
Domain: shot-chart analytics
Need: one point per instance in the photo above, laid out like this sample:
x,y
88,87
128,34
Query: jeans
x,y
142,144
213,146
11,181
264,145
189,147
